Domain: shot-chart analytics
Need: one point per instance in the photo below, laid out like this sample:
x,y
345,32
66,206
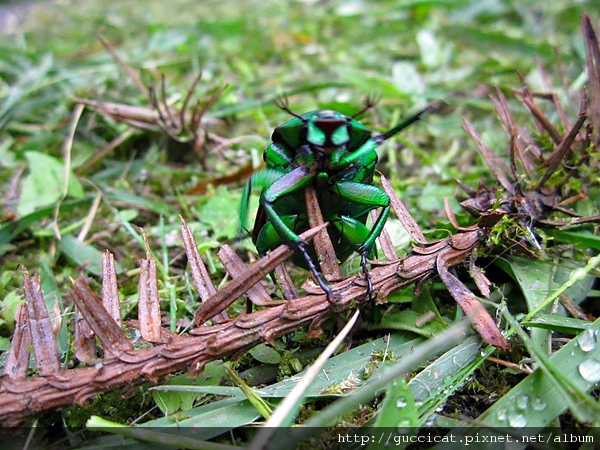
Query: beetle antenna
x,y
370,101
433,107
283,103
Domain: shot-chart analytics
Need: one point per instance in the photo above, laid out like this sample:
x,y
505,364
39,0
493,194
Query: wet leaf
x,y
398,409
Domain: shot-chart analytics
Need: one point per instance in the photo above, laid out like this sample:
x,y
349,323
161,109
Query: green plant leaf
x,y
179,438
84,254
221,212
341,374
265,354
558,324
432,386
399,409
45,183
408,320
171,401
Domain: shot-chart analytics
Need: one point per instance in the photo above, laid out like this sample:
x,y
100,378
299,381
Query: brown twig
x,y
175,123
20,397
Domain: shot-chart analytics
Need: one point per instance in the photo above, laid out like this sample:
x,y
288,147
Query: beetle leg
x,y
366,153
367,246
369,195
301,248
357,233
279,157
260,179
284,185
365,269
287,184
269,238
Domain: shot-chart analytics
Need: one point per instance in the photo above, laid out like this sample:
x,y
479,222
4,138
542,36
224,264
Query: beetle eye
x,y
340,135
314,134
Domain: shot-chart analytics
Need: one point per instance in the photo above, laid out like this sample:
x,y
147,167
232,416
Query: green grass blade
x,y
439,380
558,324
213,417
584,239
10,230
261,406
439,343
166,439
285,414
573,394
537,401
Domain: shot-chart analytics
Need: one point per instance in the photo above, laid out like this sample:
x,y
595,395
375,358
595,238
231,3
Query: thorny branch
x,y
528,198
53,387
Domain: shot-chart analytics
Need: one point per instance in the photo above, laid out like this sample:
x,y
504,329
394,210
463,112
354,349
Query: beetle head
x,y
323,130
327,129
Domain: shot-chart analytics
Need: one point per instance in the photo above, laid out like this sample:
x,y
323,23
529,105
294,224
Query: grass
x,y
62,208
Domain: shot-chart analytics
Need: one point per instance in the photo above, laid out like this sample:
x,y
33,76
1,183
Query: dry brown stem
x,y
55,386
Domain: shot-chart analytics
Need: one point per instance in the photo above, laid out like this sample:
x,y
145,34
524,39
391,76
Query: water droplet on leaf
x,y
522,402
538,404
501,414
403,426
401,402
590,370
587,340
517,420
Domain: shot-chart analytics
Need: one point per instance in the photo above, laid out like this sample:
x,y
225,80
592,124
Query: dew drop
x,y
501,415
430,421
403,426
538,404
590,370
401,402
587,340
517,420
522,402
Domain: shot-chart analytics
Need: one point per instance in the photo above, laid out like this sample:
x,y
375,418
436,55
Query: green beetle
x,y
337,155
